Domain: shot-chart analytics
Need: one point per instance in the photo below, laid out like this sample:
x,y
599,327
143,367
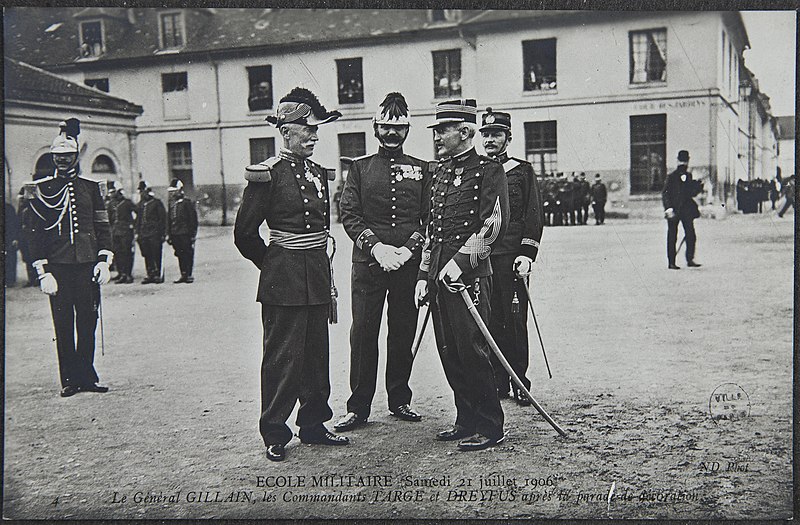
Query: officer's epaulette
x,y
363,157
29,189
261,172
43,179
512,163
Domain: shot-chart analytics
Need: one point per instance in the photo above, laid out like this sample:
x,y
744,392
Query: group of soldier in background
x,y
566,202
752,194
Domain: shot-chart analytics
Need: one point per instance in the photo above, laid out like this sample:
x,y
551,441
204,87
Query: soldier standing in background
x,y
599,198
70,244
679,206
122,232
23,211
182,230
512,256
384,205
469,212
151,230
290,193
585,198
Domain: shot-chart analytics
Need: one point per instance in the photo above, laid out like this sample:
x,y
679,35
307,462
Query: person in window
x,y
469,214
151,231
384,205
290,193
182,230
70,243
680,207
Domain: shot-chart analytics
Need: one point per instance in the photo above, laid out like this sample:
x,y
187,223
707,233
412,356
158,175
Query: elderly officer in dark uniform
x,y
290,193
385,205
512,256
679,206
70,243
122,234
151,231
469,214
182,230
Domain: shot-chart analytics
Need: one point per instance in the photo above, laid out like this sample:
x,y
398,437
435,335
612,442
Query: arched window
x,y
103,165
44,167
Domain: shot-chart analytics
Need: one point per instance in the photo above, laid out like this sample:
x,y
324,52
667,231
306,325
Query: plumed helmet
x,y
67,139
393,111
301,106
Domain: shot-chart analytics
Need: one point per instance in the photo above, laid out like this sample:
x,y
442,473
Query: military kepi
x,y
495,120
451,111
301,106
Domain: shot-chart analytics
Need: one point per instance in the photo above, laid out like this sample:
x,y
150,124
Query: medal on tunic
x,y
398,177
457,181
317,183
459,171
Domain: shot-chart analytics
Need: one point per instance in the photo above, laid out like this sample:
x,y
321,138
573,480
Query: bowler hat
x,y
683,156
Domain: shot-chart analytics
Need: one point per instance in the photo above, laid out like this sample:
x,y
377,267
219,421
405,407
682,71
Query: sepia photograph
x,y
398,264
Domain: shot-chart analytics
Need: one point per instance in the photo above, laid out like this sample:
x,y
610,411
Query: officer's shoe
x,y
189,279
692,264
181,279
479,442
322,436
120,279
349,422
129,279
405,413
674,266
453,434
93,387
69,391
522,399
276,452
148,280
158,280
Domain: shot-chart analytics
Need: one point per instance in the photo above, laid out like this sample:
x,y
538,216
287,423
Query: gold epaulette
x,y
261,172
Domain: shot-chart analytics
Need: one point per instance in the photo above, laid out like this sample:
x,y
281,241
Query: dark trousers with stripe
x,y
74,309
465,358
151,248
294,367
371,287
509,329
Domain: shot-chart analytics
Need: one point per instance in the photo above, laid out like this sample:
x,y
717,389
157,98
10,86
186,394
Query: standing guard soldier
x,y
122,234
512,256
151,230
469,212
385,204
70,244
585,192
599,198
290,193
679,206
182,230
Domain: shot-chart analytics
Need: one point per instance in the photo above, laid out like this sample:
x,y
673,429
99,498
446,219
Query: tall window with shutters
x,y
648,153
541,146
648,56
179,160
447,73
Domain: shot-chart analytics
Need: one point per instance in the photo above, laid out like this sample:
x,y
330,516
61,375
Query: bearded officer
x,y
290,193
122,233
512,256
70,243
384,206
469,212
182,230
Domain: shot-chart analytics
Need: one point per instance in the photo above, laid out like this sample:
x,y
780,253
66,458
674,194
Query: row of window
x,y
171,34
648,146
648,63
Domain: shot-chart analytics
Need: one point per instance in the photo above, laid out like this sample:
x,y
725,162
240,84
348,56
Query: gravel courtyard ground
x,y
641,358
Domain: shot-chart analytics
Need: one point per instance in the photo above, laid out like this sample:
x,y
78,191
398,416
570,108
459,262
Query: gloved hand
x,y
403,254
669,214
523,265
48,284
450,273
101,273
420,293
169,241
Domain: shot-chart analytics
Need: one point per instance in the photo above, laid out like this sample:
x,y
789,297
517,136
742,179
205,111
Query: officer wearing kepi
x,y
512,256
122,233
151,230
182,230
384,206
70,243
469,214
290,193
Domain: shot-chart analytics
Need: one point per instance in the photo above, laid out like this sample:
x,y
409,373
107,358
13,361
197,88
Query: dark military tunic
x,y
122,232
469,214
678,194
526,223
386,199
599,198
291,195
68,228
182,231
151,226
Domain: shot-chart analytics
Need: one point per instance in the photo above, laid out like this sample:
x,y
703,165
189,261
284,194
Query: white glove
x,y
669,213
404,254
101,273
523,265
48,284
420,291
451,272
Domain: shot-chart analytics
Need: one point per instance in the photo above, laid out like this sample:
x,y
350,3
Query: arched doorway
x,y
103,168
44,167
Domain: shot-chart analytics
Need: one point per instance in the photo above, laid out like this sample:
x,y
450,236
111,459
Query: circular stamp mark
x,y
728,402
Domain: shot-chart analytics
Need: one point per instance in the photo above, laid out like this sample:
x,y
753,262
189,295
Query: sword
x,y
100,314
461,288
536,324
418,339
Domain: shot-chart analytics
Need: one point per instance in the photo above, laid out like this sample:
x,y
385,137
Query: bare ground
x,y
636,352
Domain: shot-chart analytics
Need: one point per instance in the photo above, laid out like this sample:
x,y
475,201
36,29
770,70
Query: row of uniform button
x,y
394,199
72,207
305,200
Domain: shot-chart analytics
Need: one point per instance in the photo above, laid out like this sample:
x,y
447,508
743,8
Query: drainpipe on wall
x,y
219,139
133,162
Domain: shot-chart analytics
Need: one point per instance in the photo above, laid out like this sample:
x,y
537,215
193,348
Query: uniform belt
x,y
299,241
